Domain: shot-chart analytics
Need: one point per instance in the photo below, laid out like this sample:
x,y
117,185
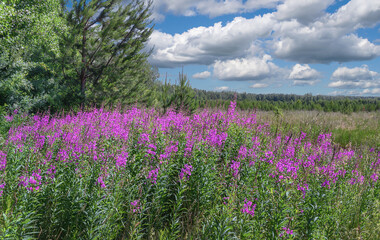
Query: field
x,y
137,174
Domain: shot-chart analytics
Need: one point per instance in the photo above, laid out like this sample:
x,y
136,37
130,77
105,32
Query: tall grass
x,y
134,174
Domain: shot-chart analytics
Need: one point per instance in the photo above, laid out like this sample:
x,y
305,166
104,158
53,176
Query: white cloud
x,y
204,45
202,75
354,84
313,45
336,93
212,8
259,85
303,72
356,14
354,74
299,31
304,11
304,82
358,77
371,91
304,75
223,88
244,69
329,38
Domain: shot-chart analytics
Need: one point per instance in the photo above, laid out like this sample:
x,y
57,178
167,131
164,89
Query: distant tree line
x,y
270,102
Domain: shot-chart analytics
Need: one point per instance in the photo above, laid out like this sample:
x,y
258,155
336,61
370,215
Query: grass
x,y
356,129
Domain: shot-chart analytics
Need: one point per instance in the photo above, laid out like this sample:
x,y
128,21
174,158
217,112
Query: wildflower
x,y
101,182
2,186
153,175
303,188
235,167
186,171
121,159
374,177
249,208
287,231
3,160
135,205
242,152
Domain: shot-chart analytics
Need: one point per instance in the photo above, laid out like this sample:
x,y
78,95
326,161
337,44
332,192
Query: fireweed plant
x,y
136,174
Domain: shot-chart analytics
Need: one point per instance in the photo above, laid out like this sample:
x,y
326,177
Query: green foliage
x,y
28,76
102,52
184,96
270,102
346,137
166,97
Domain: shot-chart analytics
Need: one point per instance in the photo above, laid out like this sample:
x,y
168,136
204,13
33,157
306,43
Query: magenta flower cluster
x,y
144,141
248,208
186,172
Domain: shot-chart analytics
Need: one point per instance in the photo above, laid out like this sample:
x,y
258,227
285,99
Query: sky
x,y
322,47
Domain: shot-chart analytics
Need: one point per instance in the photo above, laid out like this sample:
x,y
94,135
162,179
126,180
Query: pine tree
x,y
184,96
166,97
103,52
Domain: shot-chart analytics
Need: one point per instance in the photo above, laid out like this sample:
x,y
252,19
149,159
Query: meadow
x,y
138,174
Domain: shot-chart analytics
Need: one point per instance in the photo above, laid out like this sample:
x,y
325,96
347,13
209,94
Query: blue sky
x,y
269,46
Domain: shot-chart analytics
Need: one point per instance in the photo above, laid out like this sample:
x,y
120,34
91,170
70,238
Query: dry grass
x,y
362,128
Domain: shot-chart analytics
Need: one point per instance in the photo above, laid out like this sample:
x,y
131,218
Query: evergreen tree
x,y
102,53
184,96
166,97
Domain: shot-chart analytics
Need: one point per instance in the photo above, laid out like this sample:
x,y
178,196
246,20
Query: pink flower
x,y
249,208
186,171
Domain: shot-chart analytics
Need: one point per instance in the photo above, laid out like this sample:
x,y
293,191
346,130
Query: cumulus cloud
x,y
259,85
204,45
355,14
358,77
304,11
303,72
299,31
321,45
354,84
244,69
304,75
202,75
354,74
223,88
371,91
331,37
212,8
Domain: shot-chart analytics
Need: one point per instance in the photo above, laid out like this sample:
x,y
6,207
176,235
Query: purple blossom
x,y
135,206
287,231
153,175
121,159
235,167
3,160
249,208
2,186
101,182
374,177
303,188
186,171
